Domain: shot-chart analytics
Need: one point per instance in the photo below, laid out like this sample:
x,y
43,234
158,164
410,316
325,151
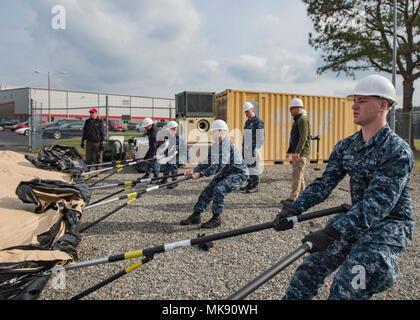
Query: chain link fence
x,y
63,125
407,125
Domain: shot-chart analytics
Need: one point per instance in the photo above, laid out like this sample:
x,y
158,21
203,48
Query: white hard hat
x,y
147,122
248,106
219,125
375,86
296,103
172,125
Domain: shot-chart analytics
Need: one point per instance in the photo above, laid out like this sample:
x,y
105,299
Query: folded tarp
x,y
59,158
31,243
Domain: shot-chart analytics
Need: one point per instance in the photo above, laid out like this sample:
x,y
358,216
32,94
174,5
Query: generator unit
x,y
195,114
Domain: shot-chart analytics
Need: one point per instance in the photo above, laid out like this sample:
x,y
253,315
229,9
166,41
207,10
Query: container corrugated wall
x,y
330,117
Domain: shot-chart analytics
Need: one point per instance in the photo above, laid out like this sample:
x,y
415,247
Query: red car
x,y
26,125
116,125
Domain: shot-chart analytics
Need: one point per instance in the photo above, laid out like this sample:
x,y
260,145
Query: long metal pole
x,y
200,240
271,273
394,62
107,117
49,96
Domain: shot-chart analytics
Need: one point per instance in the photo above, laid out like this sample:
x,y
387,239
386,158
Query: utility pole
x,y
107,117
49,90
49,97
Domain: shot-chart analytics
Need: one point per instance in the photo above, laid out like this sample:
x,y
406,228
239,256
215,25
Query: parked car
x,y
26,125
67,130
23,131
8,124
116,125
132,126
62,122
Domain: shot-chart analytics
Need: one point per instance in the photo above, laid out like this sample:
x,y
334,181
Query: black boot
x,y
287,201
146,176
195,218
214,222
252,189
164,181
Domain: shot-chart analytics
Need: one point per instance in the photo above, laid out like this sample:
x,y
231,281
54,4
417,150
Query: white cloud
x,y
276,66
151,45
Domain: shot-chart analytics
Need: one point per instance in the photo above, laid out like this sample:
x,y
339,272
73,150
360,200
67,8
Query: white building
x,y
62,104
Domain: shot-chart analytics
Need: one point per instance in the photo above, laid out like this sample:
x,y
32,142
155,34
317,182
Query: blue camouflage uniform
x,y
176,145
155,140
248,149
225,161
374,232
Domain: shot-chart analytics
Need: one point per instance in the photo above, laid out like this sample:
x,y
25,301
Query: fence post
x,y
107,117
31,131
410,126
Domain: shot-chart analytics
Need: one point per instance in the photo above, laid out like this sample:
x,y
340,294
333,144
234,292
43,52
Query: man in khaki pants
x,y
299,148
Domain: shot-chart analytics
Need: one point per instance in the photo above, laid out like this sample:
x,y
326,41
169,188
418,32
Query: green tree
x,y
357,35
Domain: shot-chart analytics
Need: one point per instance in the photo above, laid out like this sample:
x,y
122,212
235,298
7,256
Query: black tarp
x,y
59,158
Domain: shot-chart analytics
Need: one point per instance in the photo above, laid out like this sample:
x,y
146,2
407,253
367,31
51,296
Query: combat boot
x,y
195,218
214,222
287,201
252,189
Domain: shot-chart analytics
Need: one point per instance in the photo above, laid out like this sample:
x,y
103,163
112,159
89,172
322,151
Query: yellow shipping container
x,y
330,117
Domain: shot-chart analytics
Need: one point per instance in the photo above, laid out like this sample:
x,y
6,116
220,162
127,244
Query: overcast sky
x,y
162,47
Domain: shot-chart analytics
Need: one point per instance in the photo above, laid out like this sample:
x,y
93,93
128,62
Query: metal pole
x,y
31,123
201,240
67,104
49,96
271,273
107,117
153,109
394,62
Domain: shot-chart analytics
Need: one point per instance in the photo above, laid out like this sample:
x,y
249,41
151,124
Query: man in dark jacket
x,y
94,135
299,148
152,132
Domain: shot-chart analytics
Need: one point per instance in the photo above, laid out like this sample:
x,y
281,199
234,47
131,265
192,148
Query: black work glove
x,y
281,223
82,145
323,238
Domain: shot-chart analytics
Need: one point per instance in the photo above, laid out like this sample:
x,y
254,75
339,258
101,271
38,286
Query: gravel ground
x,y
193,274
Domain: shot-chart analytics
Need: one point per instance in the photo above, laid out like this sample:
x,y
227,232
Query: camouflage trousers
x,y
153,166
364,269
298,177
217,190
170,170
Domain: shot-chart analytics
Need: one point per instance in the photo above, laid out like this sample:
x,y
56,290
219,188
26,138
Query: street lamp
x,y
49,90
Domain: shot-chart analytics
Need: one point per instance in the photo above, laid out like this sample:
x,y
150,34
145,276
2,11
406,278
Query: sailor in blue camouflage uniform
x,y
175,153
231,172
155,138
252,143
364,244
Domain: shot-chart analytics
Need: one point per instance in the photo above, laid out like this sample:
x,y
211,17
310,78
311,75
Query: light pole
x,y
49,90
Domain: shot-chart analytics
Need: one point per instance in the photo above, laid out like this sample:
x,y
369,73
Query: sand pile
x,y
18,224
